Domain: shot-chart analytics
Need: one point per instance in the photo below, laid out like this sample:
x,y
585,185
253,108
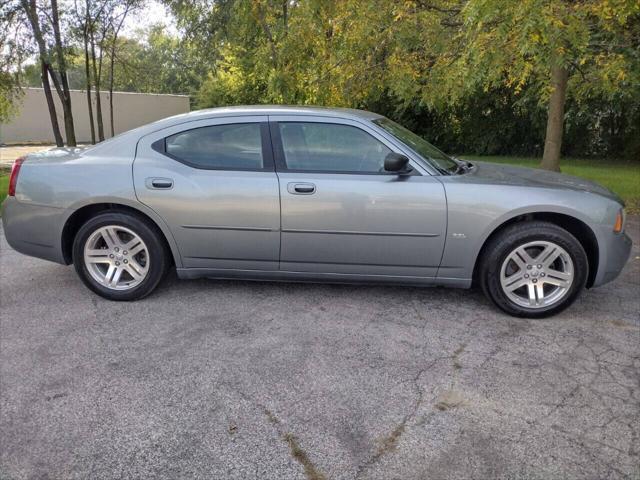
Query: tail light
x,y
13,178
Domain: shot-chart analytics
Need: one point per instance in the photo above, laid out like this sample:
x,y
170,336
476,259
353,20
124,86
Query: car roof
x,y
276,110
131,137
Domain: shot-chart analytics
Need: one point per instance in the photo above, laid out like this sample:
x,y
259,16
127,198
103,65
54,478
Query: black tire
x,y
159,260
506,241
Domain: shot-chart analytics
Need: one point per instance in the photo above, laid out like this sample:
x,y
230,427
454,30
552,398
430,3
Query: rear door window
x,y
236,146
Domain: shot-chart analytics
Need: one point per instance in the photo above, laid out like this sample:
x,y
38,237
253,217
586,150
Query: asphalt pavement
x,y
242,380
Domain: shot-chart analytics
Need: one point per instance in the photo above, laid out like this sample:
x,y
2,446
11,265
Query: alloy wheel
x,y
537,274
116,257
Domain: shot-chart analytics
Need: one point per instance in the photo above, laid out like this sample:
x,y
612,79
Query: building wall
x,y
32,123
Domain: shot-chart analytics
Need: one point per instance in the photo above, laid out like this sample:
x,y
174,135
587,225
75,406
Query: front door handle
x,y
159,183
301,188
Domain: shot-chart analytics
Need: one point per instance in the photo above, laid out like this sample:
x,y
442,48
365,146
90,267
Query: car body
x,y
294,194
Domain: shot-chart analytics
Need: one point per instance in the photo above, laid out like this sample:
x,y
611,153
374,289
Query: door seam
x,y
275,170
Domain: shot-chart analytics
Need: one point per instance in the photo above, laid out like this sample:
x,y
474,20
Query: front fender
x,y
473,218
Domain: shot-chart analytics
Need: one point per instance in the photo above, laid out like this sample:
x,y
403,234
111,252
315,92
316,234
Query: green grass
x,y
619,176
4,186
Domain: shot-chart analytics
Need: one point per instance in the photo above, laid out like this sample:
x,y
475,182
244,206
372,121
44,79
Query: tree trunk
x,y
65,97
30,8
114,41
96,83
44,75
87,73
111,90
555,119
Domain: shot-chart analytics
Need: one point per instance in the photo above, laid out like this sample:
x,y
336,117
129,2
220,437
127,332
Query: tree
x,y
30,9
62,86
116,20
12,56
545,48
431,55
45,27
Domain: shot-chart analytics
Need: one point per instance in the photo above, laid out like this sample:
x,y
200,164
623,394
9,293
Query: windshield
x,y
423,148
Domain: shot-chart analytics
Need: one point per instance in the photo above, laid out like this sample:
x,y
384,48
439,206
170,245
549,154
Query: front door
x,y
214,184
342,213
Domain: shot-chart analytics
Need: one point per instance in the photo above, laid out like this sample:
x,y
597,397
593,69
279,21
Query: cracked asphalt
x,y
208,379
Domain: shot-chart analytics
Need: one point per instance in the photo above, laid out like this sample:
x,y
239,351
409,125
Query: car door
x,y
342,213
213,182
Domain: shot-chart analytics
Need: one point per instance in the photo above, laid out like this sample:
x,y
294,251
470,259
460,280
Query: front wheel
x,y
119,256
533,269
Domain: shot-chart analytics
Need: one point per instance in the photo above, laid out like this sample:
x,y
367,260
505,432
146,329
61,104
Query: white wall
x,y
130,110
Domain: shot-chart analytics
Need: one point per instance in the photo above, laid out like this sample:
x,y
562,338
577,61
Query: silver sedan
x,y
311,194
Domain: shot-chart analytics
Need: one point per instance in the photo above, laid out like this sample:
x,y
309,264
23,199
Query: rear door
x,y
342,213
213,182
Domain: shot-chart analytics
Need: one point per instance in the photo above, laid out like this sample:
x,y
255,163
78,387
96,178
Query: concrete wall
x,y
32,123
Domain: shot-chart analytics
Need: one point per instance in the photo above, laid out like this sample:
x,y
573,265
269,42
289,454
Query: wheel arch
x,y
81,214
578,228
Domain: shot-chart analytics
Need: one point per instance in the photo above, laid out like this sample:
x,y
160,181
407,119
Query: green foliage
x,y
469,75
151,62
161,64
4,186
9,95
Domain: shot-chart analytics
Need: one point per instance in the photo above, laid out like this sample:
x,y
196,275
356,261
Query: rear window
x,y
235,146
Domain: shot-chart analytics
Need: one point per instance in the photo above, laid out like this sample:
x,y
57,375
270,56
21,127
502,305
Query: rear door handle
x,y
301,188
159,183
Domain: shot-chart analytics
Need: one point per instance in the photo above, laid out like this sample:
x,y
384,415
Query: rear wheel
x,y
119,256
534,269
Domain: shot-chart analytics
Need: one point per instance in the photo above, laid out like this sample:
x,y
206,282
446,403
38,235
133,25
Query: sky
x,y
152,14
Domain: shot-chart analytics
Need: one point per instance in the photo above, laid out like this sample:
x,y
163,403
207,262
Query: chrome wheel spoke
x,y
135,274
135,268
548,255
110,237
539,294
116,277
531,293
559,275
521,258
98,256
137,248
559,279
515,282
111,272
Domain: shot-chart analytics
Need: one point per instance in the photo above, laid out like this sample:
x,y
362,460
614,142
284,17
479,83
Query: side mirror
x,y
397,163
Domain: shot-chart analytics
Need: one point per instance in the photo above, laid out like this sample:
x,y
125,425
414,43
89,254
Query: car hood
x,y
533,177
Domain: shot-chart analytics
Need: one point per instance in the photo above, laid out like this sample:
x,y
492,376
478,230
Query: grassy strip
x,y
4,186
619,176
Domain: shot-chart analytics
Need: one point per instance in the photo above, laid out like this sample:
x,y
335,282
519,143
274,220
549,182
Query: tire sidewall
x,y
157,255
520,235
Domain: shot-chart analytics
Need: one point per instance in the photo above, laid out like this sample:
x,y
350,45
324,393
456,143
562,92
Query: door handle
x,y
301,188
159,183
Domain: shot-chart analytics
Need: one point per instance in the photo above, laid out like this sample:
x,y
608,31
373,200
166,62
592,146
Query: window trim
x,y
268,164
280,159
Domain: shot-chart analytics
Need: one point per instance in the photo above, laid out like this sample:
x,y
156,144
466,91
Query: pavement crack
x,y
311,471
298,453
390,442
456,356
